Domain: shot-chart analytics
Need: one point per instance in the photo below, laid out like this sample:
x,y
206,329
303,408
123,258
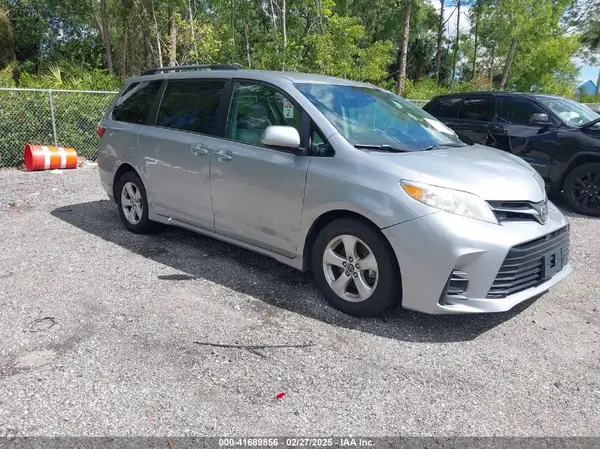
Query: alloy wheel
x,y
350,268
131,203
586,190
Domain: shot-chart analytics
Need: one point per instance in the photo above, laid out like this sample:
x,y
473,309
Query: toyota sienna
x,y
381,201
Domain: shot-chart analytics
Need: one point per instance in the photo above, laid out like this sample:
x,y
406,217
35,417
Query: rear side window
x,y
135,103
516,110
477,109
191,105
445,108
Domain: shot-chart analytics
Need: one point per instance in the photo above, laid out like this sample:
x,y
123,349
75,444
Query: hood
x,y
491,174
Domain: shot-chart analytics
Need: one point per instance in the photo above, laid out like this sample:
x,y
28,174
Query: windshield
x,y
572,112
369,116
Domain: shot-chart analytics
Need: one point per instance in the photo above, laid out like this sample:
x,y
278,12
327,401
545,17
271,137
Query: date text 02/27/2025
x,y
295,442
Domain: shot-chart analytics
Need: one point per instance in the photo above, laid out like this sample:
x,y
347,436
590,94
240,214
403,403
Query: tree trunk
x,y
509,59
320,10
172,38
247,44
232,30
492,66
147,51
283,30
440,37
193,31
124,53
403,49
598,85
7,51
158,42
456,43
273,15
475,45
106,37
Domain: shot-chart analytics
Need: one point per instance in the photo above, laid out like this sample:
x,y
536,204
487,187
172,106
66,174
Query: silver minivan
x,y
382,202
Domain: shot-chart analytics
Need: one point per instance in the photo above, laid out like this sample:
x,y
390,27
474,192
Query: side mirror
x,y
539,119
281,136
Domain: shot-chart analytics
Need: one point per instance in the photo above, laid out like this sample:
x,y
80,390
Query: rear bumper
x,y
431,248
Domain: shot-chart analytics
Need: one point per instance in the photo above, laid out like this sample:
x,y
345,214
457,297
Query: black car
x,y
559,137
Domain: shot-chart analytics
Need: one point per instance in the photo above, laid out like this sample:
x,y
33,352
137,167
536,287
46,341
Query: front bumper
x,y
431,248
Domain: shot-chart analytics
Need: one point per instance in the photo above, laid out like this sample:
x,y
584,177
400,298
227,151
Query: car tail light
x,y
100,131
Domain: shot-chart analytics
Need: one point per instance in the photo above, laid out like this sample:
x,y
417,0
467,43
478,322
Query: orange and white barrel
x,y
41,157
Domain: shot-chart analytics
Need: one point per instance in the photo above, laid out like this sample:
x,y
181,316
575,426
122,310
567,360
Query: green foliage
x,y
68,76
426,88
60,44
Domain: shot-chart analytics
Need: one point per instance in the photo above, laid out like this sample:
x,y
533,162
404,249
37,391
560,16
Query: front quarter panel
x,y
355,182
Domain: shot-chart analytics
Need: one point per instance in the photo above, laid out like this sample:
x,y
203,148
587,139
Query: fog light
x,y
459,281
456,285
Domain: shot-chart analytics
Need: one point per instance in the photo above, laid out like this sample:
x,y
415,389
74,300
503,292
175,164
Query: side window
x,y
254,107
445,108
135,103
318,145
191,105
480,109
516,110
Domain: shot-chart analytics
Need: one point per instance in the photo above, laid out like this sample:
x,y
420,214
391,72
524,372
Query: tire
x,y
130,185
385,287
582,189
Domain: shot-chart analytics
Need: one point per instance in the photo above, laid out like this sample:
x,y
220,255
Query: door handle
x,y
199,150
223,156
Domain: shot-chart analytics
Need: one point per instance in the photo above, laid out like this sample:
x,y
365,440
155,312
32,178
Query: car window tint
x,y
135,103
476,109
445,107
516,110
254,107
191,105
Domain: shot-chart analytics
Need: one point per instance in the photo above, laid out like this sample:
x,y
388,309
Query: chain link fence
x,y
49,117
61,118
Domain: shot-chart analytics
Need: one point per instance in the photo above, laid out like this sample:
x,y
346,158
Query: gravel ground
x,y
113,349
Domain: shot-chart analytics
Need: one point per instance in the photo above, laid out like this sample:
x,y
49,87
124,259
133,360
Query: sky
x,y
586,72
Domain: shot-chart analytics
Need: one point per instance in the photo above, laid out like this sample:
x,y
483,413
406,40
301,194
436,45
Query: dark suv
x,y
559,137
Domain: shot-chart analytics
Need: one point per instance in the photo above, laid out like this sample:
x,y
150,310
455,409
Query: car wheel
x,y
355,269
133,204
582,189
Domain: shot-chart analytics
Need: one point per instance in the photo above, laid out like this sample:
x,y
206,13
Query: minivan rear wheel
x,y
582,189
133,204
355,269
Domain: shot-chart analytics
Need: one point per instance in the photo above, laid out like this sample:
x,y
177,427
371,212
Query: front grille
x,y
523,267
515,210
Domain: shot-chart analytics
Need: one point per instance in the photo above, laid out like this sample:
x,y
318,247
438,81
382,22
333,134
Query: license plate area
x,y
551,264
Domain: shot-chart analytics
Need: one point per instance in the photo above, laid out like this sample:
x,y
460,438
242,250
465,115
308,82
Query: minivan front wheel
x,y
133,204
354,268
582,189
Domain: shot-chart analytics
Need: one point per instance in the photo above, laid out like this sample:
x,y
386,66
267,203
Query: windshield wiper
x,y
389,148
588,124
440,146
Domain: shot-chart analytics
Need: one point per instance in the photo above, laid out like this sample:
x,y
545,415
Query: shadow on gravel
x,y
195,256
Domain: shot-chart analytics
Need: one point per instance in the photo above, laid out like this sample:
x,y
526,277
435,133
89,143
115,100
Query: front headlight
x,y
449,200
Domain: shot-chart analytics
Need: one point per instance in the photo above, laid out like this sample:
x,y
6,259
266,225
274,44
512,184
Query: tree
x,y
440,37
106,37
7,52
403,49
457,40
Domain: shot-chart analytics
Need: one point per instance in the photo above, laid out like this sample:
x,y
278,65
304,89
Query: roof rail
x,y
180,68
